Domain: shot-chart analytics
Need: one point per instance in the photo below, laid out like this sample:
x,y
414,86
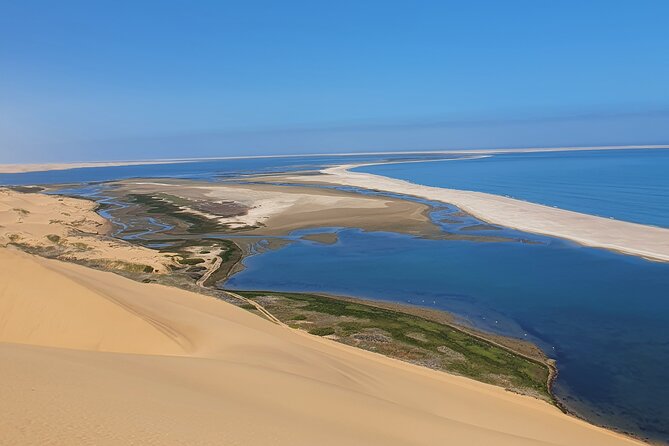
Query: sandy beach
x,y
92,357
630,238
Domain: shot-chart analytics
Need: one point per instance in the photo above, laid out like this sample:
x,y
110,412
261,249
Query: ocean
x,y
630,185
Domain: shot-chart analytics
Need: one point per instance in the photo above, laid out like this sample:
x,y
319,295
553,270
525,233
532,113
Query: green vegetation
x,y
194,223
322,331
26,189
230,256
411,338
53,238
21,211
191,261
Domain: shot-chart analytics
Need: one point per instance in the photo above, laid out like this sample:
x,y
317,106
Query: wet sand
x,y
279,210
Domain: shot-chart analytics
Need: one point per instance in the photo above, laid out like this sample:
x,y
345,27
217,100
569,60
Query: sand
x,y
646,241
278,210
90,357
69,228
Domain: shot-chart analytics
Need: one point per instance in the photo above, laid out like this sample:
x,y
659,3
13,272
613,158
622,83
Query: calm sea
x,y
203,170
631,185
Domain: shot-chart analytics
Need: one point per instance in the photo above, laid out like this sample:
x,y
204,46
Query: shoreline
x,y
649,242
443,317
150,307
13,168
450,319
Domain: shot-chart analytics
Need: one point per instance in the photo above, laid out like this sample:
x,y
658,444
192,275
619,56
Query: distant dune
x,y
89,357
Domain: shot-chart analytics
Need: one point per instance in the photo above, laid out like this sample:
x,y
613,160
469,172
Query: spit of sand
x,y
631,238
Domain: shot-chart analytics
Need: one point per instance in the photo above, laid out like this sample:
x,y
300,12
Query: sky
x,y
116,80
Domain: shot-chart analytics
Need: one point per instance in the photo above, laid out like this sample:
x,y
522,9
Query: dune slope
x,y
89,357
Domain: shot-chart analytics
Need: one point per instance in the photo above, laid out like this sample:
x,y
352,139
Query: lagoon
x,y
603,316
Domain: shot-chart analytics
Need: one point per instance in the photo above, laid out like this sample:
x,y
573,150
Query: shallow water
x,y
630,185
202,170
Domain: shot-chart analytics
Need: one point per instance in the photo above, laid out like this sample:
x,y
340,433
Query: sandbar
x,y
650,242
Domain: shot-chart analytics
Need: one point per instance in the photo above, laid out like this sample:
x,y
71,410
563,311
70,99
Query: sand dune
x,y
89,357
70,229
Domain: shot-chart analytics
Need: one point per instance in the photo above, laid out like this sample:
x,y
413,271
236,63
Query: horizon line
x,y
11,168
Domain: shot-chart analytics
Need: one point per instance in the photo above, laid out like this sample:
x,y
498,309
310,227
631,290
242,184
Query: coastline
x,y
649,242
43,167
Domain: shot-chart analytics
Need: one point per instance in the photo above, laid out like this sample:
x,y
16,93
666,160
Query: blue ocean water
x,y
630,185
202,170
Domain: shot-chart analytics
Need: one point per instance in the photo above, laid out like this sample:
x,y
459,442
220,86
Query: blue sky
x,y
99,80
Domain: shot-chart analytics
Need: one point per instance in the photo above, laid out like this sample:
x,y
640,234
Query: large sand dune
x,y
89,357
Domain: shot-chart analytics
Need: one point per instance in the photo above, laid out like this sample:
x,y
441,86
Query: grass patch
x,y
322,331
53,238
21,211
191,261
230,255
410,338
194,223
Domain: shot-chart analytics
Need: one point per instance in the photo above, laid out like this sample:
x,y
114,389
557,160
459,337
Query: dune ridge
x,y
89,357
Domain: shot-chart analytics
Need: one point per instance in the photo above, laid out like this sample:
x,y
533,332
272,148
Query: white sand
x,y
89,357
631,238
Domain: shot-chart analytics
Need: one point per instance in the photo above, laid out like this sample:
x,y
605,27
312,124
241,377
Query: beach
x,y
629,238
90,356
